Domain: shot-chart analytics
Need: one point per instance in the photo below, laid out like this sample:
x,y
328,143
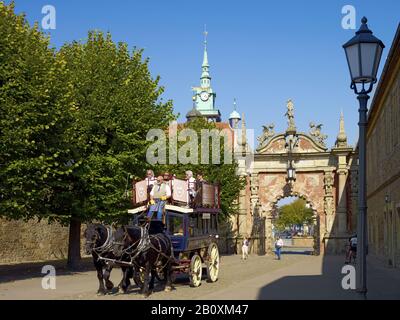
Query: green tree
x,y
73,124
295,213
32,120
115,103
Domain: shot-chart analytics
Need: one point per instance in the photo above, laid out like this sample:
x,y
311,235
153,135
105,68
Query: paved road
x,y
261,277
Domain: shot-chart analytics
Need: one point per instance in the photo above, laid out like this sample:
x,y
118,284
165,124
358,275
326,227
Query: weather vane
x,y
205,34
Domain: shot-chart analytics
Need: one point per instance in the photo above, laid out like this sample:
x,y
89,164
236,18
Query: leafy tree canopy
x,y
295,213
73,123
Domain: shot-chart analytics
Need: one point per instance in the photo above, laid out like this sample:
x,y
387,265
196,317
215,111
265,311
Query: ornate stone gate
x,y
322,179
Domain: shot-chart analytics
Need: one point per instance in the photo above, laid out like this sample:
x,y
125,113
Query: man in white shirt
x,y
158,196
278,247
191,185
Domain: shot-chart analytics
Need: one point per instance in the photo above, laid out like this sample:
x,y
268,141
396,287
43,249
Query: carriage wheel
x,y
195,271
213,263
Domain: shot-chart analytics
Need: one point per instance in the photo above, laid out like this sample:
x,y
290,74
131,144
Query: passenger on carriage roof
x,y
168,179
191,185
199,182
158,195
200,177
150,179
191,181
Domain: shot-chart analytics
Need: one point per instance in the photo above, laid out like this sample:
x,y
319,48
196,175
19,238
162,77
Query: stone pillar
x,y
341,211
269,241
243,211
328,203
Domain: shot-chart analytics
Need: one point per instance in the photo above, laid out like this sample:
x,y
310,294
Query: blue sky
x,y
260,52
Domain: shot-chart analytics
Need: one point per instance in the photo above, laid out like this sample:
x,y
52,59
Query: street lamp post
x,y
363,53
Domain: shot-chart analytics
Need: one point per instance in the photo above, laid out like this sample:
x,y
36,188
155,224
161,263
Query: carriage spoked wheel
x,y
195,271
213,262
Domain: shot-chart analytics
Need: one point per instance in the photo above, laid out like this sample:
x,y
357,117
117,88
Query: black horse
x,y
99,243
151,253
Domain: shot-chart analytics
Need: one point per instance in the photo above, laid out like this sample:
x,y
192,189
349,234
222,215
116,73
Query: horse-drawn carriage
x,y
191,225
146,250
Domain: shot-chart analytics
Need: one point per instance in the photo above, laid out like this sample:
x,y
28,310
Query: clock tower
x,y
203,96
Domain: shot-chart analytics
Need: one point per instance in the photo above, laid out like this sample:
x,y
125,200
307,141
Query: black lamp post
x,y
291,173
363,53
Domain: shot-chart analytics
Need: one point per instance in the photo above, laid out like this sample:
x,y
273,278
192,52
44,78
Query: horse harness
x,y
106,245
145,244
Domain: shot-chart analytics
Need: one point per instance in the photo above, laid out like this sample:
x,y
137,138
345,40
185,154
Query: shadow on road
x,y
21,271
327,285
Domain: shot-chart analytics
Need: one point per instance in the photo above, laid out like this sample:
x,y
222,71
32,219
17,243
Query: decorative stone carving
x,y
328,183
329,210
354,183
317,135
254,199
268,133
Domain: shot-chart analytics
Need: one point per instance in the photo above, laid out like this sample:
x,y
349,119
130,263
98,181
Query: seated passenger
x,y
158,196
150,179
191,185
168,179
199,180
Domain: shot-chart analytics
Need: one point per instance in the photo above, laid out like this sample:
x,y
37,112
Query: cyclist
x,y
352,251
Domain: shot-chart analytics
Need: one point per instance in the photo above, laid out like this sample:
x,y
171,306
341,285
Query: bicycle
x,y
351,255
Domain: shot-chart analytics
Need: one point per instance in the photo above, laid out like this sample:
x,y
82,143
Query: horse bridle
x,y
106,245
143,244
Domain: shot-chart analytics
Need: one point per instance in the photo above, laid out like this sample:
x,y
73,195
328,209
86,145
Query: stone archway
x,y
324,177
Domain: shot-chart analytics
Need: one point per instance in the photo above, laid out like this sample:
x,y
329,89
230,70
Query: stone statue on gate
x,y
318,136
268,133
290,115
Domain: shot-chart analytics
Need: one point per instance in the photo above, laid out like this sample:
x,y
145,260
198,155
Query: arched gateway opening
x,y
296,221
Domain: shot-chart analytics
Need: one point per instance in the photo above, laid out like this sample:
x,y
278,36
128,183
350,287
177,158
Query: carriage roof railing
x,y
169,207
207,194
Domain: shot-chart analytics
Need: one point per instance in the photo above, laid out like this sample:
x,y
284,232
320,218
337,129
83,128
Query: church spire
x,y
205,76
205,56
244,138
203,95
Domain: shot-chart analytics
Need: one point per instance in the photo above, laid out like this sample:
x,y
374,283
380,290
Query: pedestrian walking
x,y
245,248
278,247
